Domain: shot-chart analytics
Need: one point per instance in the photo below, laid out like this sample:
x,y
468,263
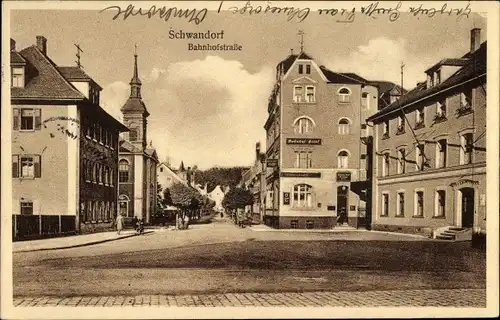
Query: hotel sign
x,y
343,176
308,141
300,174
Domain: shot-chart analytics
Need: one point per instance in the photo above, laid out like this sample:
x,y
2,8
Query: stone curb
x,y
82,244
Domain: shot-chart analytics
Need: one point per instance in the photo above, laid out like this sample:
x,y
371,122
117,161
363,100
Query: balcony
x,y
400,129
419,125
385,135
439,118
464,109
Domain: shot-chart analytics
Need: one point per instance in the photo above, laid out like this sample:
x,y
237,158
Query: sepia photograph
x,y
244,159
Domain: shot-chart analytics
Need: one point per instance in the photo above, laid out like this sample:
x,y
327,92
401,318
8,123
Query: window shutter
x,y
38,166
15,166
15,119
38,119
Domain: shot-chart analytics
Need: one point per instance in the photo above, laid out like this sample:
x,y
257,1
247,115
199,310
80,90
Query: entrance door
x,y
342,193
467,207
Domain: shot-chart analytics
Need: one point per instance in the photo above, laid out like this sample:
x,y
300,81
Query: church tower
x,y
135,113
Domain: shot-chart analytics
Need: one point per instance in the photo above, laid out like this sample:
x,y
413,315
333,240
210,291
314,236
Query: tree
x,y
167,197
237,198
185,198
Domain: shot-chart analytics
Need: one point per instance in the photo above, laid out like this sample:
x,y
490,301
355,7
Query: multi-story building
x,y
253,180
137,160
430,150
314,151
64,148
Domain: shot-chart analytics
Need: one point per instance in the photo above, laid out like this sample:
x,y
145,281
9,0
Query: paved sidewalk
x,y
71,241
475,298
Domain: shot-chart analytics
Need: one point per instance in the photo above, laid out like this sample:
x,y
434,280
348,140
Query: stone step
x,y
445,237
449,232
456,229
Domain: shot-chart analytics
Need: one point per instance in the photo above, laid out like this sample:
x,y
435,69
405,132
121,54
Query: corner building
x,y
314,152
430,151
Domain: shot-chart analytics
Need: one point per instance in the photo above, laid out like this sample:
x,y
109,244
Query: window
x,y
441,151
308,69
301,69
310,94
26,166
344,95
132,135
385,129
401,161
419,203
26,207
419,118
17,77
161,169
437,77
466,148
123,173
441,109
303,125
401,125
28,119
385,205
466,99
385,164
343,159
294,224
309,224
401,204
298,94
302,196
365,100
303,159
420,157
440,203
344,126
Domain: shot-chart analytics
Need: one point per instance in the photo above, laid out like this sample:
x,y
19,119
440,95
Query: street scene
x,y
281,163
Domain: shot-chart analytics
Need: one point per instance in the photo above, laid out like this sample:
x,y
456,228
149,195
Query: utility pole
x,y
78,50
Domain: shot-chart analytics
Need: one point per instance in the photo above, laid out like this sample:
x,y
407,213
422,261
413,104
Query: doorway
x,y
342,196
467,207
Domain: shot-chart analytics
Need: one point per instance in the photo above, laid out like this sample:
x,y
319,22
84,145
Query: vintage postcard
x,y
249,159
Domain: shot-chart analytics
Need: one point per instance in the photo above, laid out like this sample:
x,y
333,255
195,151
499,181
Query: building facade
x,y
314,150
430,150
253,180
138,161
64,148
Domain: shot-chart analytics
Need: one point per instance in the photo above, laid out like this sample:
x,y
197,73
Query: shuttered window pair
x,y
26,166
27,119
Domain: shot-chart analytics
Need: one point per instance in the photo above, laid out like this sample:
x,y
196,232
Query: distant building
x,y
253,180
217,195
137,159
64,148
167,176
430,151
316,165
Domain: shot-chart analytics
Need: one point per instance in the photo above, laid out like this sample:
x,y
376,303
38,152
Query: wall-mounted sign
x,y
286,198
343,176
464,181
330,208
352,208
310,141
300,174
271,163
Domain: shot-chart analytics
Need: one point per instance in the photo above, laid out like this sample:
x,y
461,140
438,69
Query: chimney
x,y
41,43
291,52
257,150
475,39
12,45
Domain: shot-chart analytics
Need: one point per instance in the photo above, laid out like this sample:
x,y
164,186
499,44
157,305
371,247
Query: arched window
x,y
123,171
343,159
344,95
344,126
132,135
302,196
303,125
123,202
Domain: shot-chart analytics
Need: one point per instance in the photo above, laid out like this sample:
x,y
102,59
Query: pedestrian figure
x,y
119,223
134,222
221,215
186,221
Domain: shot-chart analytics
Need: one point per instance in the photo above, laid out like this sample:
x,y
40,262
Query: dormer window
x,y
437,77
17,77
430,81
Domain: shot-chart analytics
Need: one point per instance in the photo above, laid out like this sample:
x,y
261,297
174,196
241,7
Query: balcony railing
x,y
400,129
464,109
419,125
440,117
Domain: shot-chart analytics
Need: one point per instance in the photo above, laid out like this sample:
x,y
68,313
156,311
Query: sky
x,y
209,108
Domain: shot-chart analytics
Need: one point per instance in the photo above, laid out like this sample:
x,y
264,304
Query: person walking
x,y
119,223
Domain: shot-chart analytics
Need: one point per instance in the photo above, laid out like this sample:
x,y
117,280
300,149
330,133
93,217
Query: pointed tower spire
x,y
181,168
135,82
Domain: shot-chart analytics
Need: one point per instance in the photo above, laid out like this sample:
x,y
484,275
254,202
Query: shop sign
x,y
343,176
464,181
286,198
308,141
300,174
271,163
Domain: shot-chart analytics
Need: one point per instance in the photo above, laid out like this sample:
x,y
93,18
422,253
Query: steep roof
x,y
135,105
43,79
475,67
287,62
16,58
335,77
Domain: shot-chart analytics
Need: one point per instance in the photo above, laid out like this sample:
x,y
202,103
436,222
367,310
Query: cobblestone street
x,y
404,298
